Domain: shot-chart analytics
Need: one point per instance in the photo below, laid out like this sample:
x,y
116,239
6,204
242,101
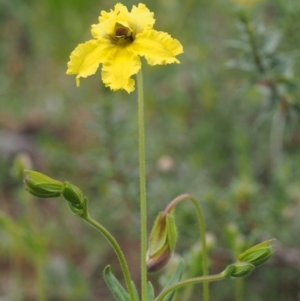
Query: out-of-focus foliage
x,y
217,126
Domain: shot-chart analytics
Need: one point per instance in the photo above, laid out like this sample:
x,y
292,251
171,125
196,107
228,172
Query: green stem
x,y
258,61
203,279
202,236
143,203
118,251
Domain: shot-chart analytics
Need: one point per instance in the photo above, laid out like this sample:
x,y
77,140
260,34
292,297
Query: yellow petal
x,y
157,47
118,67
86,57
140,18
99,30
119,8
111,24
107,21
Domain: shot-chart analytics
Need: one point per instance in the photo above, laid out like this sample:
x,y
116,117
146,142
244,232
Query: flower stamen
x,y
122,34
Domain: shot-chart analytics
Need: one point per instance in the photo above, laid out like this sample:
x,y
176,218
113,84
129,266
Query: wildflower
x,y
120,38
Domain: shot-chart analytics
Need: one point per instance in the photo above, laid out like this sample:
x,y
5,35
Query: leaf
x,y
271,42
135,291
115,286
150,291
174,279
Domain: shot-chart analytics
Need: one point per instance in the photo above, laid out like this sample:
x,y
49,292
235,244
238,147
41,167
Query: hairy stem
x,y
143,203
203,279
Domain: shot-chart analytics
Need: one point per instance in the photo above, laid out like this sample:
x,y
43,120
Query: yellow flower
x,y
120,38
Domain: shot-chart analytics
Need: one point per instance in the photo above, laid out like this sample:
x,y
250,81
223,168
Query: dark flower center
x,y
123,35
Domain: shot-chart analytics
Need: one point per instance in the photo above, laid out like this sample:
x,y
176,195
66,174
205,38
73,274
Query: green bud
x,y
41,186
238,269
73,195
162,241
258,254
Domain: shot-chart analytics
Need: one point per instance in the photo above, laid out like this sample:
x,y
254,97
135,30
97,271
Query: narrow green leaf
x,y
174,279
136,294
115,286
150,291
172,231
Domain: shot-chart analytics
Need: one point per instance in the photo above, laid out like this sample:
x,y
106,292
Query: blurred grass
x,y
207,132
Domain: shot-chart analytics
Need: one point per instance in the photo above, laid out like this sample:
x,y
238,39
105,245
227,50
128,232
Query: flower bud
x,y
238,269
162,242
73,195
258,254
41,186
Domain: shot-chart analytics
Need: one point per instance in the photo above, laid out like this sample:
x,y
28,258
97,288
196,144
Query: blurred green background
x,y
223,125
